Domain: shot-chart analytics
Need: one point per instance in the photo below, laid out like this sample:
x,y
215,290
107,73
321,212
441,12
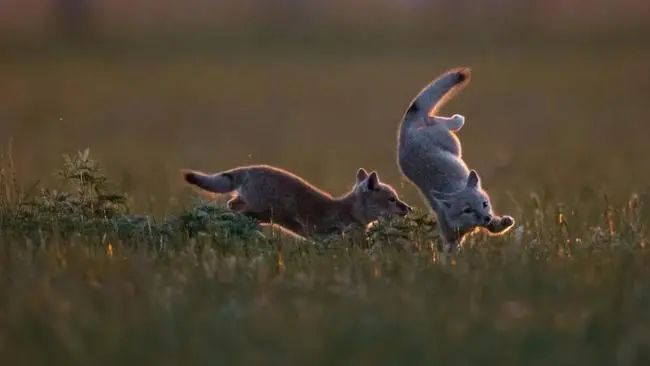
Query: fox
x,y
275,196
430,156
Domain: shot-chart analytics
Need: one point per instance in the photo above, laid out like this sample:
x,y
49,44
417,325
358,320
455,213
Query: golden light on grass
x,y
60,257
109,250
280,262
376,270
610,223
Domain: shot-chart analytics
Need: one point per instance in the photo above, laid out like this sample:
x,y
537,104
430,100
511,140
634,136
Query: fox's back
x,y
278,189
431,158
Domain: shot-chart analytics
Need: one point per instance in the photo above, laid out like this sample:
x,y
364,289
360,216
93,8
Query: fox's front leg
x,y
500,224
296,226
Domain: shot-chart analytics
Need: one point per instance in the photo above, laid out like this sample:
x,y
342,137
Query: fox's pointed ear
x,y
373,181
362,174
473,181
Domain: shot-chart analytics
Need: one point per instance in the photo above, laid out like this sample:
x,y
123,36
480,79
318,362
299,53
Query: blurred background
x,y
558,104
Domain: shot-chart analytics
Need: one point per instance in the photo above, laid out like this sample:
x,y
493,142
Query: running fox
x,y
273,195
429,155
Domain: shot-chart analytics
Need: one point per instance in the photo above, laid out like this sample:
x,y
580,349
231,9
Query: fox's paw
x,y
507,221
500,224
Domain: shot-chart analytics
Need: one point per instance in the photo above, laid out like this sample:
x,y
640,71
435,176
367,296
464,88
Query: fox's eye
x,y
392,199
467,210
485,204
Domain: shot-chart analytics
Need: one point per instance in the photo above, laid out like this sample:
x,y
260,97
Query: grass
x,y
83,281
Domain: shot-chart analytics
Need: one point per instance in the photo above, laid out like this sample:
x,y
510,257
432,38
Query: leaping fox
x,y
429,155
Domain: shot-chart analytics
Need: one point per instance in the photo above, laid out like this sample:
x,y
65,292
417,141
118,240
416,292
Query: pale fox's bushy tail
x,y
217,183
436,94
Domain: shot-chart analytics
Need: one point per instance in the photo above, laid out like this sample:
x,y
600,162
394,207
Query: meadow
x,y
105,257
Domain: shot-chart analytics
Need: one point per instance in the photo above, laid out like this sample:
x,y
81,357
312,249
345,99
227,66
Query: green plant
x,y
417,229
218,220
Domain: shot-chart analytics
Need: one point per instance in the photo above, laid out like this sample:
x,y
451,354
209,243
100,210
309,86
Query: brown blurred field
x,y
561,111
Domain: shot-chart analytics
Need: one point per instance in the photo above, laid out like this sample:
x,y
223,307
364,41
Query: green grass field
x,y
557,126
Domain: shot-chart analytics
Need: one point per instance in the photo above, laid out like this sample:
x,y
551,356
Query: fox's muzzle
x,y
404,208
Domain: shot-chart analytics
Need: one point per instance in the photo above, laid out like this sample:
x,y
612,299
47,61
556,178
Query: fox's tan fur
x,y
429,154
273,195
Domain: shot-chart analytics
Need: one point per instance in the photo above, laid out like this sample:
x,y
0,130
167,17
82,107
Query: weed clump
x,y
84,201
417,230
213,218
87,203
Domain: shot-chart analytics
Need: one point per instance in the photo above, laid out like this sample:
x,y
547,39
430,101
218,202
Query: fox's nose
x,y
487,219
404,208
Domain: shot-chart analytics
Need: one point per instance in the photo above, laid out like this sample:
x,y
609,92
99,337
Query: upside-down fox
x,y
273,195
429,155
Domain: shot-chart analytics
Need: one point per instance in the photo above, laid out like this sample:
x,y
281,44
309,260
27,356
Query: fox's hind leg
x,y
295,226
237,204
288,222
453,123
267,217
